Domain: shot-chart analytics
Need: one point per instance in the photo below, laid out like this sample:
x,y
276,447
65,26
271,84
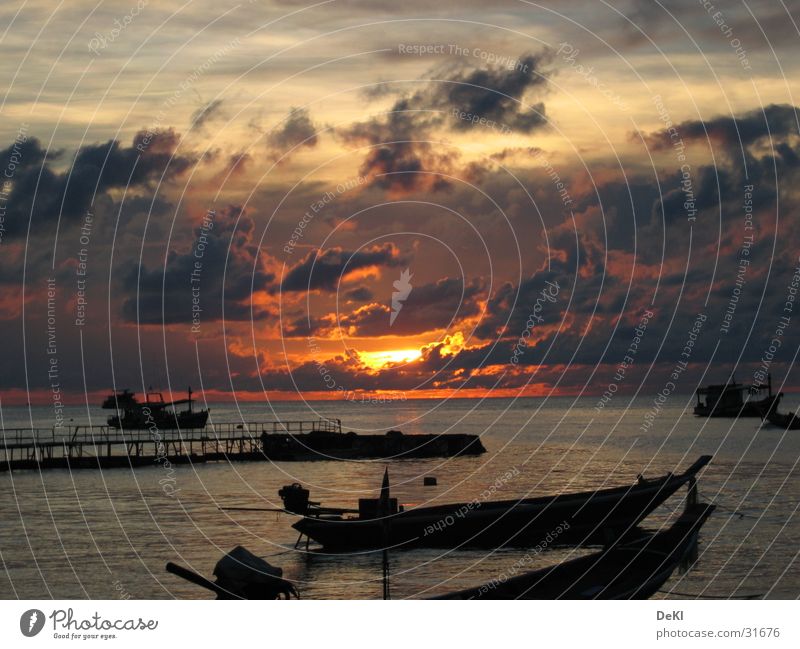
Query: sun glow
x,y
377,360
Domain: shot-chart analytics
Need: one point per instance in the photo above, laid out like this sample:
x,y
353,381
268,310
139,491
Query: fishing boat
x,y
131,414
786,421
586,518
734,399
625,570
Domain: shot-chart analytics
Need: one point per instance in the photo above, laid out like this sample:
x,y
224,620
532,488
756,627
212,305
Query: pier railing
x,y
85,434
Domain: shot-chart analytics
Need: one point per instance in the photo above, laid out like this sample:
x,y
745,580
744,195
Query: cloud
x,y
206,113
496,93
296,132
27,152
400,154
230,264
443,305
437,306
508,311
405,152
325,270
45,195
775,121
239,162
360,294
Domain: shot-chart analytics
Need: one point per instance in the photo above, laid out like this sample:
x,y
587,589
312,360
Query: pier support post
x,y
691,496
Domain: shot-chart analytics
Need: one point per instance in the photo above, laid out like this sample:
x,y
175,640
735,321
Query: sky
x,y
286,200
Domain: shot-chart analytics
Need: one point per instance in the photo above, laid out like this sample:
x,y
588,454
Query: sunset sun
x,y
378,360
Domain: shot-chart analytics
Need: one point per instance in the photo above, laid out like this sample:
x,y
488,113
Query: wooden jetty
x,y
93,447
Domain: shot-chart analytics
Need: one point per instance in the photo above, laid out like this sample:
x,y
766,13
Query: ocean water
x,y
108,534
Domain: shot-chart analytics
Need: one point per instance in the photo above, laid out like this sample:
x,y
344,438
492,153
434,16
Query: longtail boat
x,y
585,518
635,570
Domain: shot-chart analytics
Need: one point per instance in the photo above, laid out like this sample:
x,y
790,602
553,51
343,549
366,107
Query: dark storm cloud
x,y
361,294
400,153
27,153
496,94
303,326
297,131
508,310
775,121
404,147
644,216
165,293
324,270
429,307
46,195
761,149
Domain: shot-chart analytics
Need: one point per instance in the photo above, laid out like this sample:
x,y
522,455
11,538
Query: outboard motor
x,y
295,498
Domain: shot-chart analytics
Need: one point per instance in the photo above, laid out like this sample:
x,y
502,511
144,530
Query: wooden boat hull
x,y
571,519
785,421
624,571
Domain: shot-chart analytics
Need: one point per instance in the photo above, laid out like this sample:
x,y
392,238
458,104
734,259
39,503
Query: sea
x,y
107,534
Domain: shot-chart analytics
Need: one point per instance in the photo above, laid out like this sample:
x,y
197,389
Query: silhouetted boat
x,y
154,412
626,570
119,400
591,517
241,575
735,400
786,421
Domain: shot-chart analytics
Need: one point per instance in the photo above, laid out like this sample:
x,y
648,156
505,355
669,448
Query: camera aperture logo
x,y
402,289
31,622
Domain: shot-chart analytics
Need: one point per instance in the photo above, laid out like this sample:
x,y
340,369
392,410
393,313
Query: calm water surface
x,y
106,534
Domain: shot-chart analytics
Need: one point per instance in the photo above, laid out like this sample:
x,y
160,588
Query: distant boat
x,y
735,400
591,517
119,400
154,411
635,570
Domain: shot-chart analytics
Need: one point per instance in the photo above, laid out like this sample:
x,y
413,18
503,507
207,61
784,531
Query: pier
x,y
104,447
92,447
